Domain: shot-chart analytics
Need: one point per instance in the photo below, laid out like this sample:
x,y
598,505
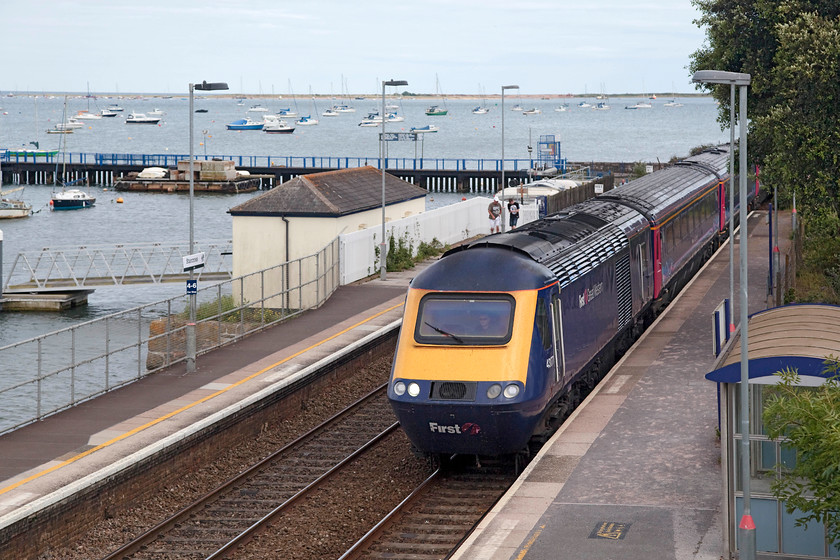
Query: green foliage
x,y
639,170
809,419
400,253
791,49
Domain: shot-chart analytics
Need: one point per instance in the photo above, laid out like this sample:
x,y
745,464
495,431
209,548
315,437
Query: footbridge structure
x,y
81,269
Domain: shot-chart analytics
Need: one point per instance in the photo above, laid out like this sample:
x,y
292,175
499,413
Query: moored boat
x,y
11,208
275,125
71,199
436,111
245,124
141,118
424,129
306,121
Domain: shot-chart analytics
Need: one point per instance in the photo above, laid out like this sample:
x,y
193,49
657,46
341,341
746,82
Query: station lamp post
x,y
191,346
746,527
383,246
503,147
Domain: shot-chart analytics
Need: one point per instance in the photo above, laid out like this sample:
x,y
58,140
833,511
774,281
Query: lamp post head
x,y
394,83
720,77
205,86
509,87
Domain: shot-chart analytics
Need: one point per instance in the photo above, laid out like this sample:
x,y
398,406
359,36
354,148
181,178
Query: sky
x,y
279,47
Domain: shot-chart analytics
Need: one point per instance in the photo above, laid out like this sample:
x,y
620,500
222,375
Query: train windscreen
x,y
464,319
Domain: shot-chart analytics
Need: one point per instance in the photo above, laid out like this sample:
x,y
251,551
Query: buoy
x,y
119,201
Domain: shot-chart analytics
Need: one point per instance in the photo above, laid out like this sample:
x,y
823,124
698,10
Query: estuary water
x,y
655,134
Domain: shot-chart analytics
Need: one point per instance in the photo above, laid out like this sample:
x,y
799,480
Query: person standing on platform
x,y
494,210
513,210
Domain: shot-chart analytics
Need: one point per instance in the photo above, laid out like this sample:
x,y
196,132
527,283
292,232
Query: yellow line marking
x,y
187,407
530,542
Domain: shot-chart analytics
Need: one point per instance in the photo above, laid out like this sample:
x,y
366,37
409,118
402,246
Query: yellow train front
x,y
469,375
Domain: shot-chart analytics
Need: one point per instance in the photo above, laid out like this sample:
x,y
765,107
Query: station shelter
x,y
802,338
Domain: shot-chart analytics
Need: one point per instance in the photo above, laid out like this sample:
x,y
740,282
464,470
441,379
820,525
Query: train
x,y
502,336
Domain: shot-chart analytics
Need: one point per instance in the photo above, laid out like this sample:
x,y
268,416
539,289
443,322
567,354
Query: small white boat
x,y
57,130
71,199
516,107
286,113
424,129
11,208
561,108
531,111
275,125
331,112
673,103
257,109
639,105
584,105
156,113
480,110
306,121
141,118
71,124
115,108
88,116
107,113
345,109
601,106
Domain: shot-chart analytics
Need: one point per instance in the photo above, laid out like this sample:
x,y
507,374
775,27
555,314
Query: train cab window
x,y
464,319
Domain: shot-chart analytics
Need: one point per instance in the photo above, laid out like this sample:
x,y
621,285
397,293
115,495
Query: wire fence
x,y
58,370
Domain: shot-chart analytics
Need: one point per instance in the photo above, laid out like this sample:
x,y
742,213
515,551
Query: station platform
x,y
633,474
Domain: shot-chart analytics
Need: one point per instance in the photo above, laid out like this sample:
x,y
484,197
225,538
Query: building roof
x,y
330,194
798,337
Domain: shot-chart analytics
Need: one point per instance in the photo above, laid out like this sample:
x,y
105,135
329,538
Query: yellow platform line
x,y
188,406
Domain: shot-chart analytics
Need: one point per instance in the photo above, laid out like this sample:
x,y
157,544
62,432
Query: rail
x,y
305,162
101,355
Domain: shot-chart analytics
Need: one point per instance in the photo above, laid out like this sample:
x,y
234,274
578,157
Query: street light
x,y
746,528
503,147
382,245
203,86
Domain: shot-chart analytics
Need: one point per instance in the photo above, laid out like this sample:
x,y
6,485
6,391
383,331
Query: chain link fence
x,y
55,371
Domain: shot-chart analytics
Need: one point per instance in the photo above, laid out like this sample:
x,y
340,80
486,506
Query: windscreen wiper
x,y
443,332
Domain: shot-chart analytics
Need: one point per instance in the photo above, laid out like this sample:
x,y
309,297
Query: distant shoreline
x,y
544,97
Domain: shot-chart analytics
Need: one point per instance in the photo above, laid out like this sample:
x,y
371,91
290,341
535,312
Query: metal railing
x,y
117,264
314,162
100,355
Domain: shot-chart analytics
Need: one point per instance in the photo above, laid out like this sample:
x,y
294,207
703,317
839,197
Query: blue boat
x,y
245,124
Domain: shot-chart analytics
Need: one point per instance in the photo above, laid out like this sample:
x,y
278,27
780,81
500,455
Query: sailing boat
x,y
308,120
435,110
11,208
481,109
68,199
288,112
86,115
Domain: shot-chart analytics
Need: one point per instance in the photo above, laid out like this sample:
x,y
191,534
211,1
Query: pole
x,y
192,296
502,187
382,246
731,212
746,529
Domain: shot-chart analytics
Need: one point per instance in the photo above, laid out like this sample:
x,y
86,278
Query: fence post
x,y
107,354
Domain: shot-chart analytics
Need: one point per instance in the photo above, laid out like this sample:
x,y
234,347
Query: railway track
x,y
433,521
229,516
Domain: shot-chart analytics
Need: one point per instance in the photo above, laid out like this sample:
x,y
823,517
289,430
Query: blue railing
x,y
314,162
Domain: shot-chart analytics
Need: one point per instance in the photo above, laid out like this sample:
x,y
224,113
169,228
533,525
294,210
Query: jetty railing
x,y
305,162
52,372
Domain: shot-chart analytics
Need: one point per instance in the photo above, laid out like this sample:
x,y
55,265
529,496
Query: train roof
x,y
658,194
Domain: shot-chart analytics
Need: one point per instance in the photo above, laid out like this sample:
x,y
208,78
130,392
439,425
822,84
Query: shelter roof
x,y
799,337
330,194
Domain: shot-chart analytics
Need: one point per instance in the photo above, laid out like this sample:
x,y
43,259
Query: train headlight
x,y
413,389
494,391
399,388
511,391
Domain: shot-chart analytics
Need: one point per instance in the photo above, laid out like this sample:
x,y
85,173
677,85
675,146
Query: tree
x,y
808,418
791,49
